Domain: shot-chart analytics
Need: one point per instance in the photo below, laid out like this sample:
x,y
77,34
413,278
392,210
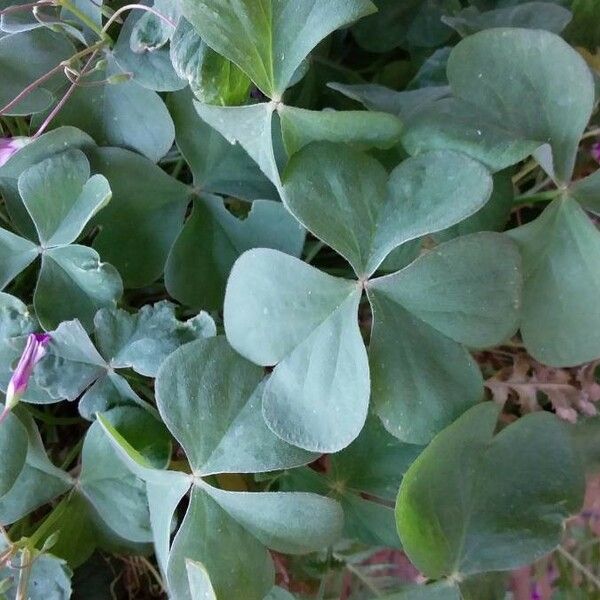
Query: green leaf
x,y
200,586
16,254
120,114
24,57
39,481
560,249
142,341
379,98
212,78
248,571
584,30
269,39
405,24
515,90
528,15
74,283
248,445
165,489
13,447
464,485
287,522
118,496
217,166
300,127
249,126
211,241
61,198
151,66
48,579
435,591
438,378
476,302
71,364
345,198
587,192
493,216
317,396
421,316
208,378
47,145
16,323
145,195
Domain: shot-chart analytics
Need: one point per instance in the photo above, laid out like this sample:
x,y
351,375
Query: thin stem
x,y
64,99
364,579
528,168
591,133
582,568
139,7
85,19
542,197
59,67
26,565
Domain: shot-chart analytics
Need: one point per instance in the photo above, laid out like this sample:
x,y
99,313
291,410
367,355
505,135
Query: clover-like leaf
x,y
148,61
26,56
212,78
75,368
152,200
300,127
207,379
61,198
405,24
364,478
49,577
404,104
346,199
560,249
217,166
457,294
222,399
120,113
16,323
38,481
317,395
211,241
269,39
528,15
13,446
516,92
463,486
251,127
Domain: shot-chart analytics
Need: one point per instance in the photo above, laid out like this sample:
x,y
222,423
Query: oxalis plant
x,y
299,299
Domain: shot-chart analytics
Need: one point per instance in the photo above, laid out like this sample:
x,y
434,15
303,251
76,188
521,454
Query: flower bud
x,y
10,146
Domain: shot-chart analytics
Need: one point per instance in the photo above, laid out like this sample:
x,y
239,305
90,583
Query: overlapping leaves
x,y
205,384
282,312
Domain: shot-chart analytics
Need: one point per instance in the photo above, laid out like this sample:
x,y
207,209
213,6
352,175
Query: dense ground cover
x,y
299,299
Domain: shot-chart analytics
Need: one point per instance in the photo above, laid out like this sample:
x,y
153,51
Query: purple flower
x,y
35,350
595,150
10,146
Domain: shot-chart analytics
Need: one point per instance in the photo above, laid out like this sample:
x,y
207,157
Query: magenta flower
x,y
10,146
595,150
35,349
